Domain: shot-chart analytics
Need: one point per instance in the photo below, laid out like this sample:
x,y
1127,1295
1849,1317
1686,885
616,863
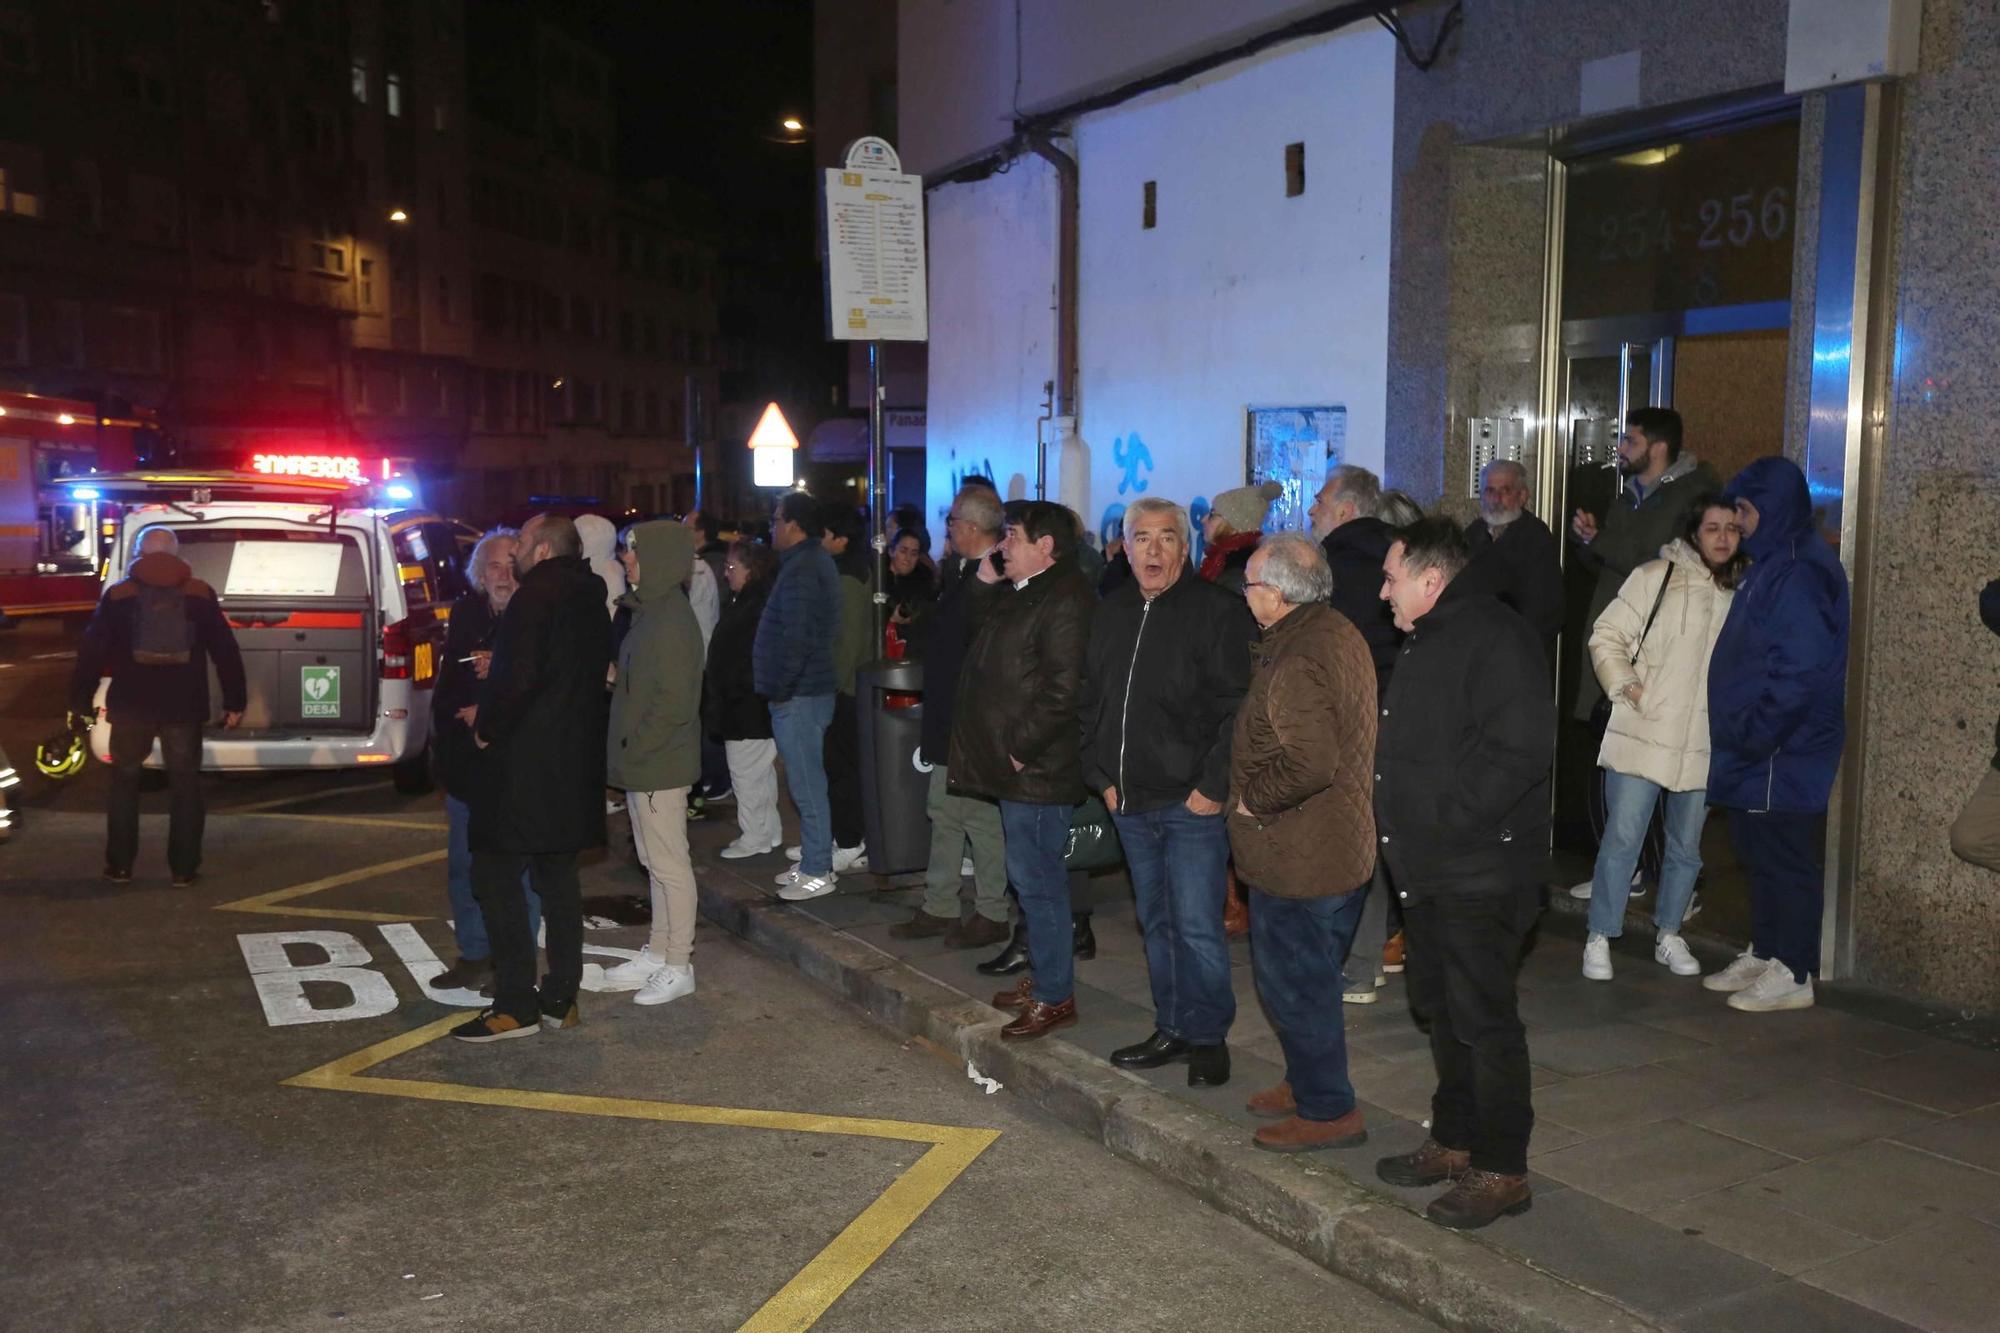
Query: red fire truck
x,y
53,539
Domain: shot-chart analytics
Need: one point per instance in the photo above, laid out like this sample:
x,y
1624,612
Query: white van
x,y
338,598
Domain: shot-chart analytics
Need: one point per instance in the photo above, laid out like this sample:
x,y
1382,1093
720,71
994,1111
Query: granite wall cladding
x,y
1925,922
1512,72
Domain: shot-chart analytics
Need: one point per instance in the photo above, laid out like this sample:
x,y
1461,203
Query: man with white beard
x,y
1514,554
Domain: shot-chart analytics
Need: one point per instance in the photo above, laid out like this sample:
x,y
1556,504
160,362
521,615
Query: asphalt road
x,y
757,1155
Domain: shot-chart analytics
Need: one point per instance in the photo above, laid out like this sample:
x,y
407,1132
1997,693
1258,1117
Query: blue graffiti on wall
x,y
1130,453
1111,528
1197,515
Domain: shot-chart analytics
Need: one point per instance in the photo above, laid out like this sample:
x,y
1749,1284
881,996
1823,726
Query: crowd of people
x,y
1347,735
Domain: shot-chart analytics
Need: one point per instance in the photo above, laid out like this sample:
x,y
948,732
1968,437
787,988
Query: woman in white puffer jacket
x,y
1656,745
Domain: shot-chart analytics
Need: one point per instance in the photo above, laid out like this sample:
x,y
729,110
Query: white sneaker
x,y
1671,952
806,887
633,972
669,983
795,853
1693,910
1361,994
849,858
613,806
1581,891
1773,991
739,849
1597,958
1739,974
965,868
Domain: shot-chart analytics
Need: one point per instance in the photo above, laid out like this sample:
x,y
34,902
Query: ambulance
x,y
338,588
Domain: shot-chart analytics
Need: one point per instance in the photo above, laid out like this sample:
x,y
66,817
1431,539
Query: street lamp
x,y
793,124
791,130
398,215
771,447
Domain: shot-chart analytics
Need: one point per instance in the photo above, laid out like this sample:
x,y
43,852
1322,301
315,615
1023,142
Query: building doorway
x,y
1676,292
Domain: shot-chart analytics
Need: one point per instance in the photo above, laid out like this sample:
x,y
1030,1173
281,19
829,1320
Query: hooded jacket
x,y
1161,688
147,693
1629,536
541,713
1664,737
654,742
600,548
1777,684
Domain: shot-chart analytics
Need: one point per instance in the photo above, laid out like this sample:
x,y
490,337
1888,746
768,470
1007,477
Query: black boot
x,y
1012,959
1083,941
1208,1066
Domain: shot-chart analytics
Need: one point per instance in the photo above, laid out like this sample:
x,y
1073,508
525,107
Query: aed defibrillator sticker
x,y
319,691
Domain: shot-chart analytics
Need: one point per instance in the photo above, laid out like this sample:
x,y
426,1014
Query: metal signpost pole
x,y
878,511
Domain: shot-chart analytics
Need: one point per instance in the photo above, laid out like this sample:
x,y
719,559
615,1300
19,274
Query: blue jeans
x,y
1296,946
1179,861
799,726
1628,809
468,923
1036,837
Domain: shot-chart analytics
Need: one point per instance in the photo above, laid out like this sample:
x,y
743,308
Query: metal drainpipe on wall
x,y
1043,146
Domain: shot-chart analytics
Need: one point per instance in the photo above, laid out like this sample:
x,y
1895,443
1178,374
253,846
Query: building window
x,y
1295,170
89,195
135,340
357,80
652,409
156,210
327,257
444,298
83,57
26,205
628,409
652,332
367,283
438,120
17,40
392,97
13,330
68,326
1148,212
627,340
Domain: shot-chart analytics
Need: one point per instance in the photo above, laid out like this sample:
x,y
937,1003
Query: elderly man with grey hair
x,y
468,653
1302,827
1168,662
1514,555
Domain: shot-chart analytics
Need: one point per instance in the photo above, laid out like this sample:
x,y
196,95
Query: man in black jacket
x,y
972,531
541,721
1462,760
1169,662
154,634
1514,555
1015,739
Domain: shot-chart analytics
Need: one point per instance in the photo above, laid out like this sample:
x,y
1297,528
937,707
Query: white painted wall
x,y
992,321
1240,296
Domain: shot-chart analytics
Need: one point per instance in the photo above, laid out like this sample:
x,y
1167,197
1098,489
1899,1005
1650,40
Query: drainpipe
x,y
1044,147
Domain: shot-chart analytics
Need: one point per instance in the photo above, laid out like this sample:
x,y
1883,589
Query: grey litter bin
x,y
895,781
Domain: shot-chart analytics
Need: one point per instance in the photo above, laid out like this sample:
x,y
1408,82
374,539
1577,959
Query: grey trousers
x,y
1364,955
956,821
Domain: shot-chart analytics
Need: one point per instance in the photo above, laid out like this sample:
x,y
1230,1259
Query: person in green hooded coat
x,y
654,749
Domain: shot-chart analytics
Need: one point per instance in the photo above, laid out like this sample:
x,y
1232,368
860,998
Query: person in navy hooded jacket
x,y
1776,712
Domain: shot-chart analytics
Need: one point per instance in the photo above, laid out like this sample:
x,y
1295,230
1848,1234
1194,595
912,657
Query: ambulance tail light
x,y
398,649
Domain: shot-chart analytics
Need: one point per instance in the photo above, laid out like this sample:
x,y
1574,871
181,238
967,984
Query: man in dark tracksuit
x,y
1777,718
1464,747
158,694
540,722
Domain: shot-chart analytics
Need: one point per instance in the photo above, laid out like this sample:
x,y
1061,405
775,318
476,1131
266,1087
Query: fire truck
x,y
54,537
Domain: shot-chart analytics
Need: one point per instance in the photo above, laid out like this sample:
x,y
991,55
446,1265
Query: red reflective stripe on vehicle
x,y
302,620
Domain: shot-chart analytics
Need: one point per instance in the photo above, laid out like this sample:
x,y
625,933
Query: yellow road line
x,y
800,1302
269,904
358,821
326,794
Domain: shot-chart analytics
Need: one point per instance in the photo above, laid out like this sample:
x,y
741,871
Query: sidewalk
x,y
1700,1168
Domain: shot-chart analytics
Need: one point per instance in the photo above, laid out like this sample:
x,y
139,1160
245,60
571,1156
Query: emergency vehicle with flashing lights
x,y
53,536
338,595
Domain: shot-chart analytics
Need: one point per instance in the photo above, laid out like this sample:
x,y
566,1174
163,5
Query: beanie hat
x,y
1243,509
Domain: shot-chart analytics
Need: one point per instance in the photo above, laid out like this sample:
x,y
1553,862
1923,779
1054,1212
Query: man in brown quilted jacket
x,y
1302,827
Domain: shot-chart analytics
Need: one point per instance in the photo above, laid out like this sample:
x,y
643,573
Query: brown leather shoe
x,y
1273,1103
1297,1134
1429,1165
922,926
1039,1020
1235,911
1017,999
1481,1197
1392,953
977,933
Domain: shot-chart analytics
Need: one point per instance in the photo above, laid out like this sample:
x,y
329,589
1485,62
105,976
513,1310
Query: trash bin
x,y
895,780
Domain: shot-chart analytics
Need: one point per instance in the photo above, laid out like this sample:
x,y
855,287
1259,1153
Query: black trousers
x,y
842,752
180,747
496,883
1786,856
1464,950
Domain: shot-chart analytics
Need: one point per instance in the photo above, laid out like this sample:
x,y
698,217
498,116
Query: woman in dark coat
x,y
913,588
731,710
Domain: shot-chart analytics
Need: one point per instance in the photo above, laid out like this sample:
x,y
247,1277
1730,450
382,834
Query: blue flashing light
x,y
399,491
86,493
